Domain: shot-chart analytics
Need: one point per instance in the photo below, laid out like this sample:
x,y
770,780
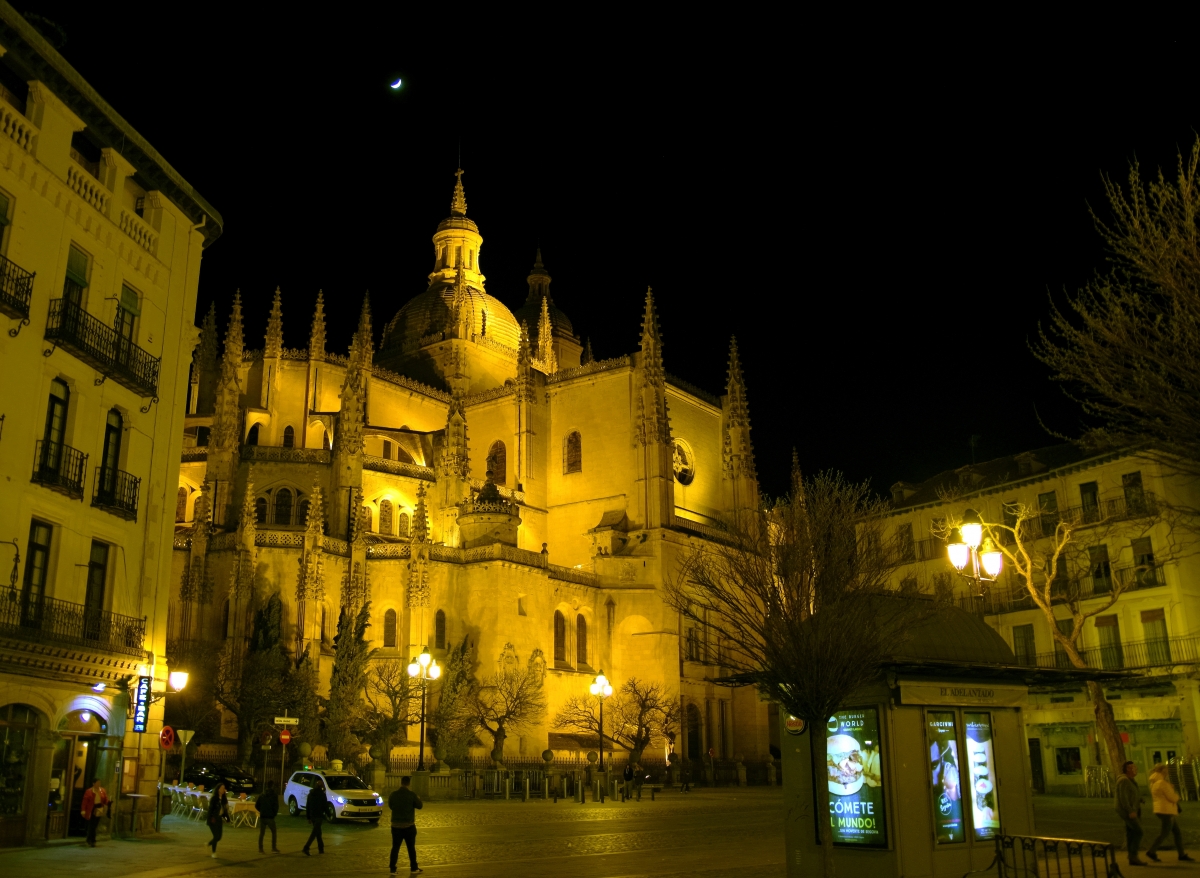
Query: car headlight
x,y
379,800
340,800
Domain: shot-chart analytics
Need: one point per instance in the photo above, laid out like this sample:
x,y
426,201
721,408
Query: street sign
x,y
167,737
185,735
267,736
286,721
285,737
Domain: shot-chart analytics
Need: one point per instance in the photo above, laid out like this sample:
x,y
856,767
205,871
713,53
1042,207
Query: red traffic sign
x,y
285,737
167,737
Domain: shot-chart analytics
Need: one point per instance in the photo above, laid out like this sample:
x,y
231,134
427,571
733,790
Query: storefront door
x,y
18,734
1036,772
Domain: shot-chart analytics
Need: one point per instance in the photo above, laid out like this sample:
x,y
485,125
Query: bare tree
x,y
391,699
512,699
1126,345
797,592
636,716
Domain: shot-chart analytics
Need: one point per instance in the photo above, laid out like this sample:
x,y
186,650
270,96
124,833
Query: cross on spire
x,y
458,204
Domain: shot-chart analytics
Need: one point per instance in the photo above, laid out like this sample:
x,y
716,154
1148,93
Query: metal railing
x,y
1026,855
1079,588
49,620
16,289
102,347
59,467
1157,653
116,491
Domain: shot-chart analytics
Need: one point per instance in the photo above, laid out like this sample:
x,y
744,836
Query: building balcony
x,y
48,620
1158,653
116,491
1081,588
285,455
60,468
16,289
72,328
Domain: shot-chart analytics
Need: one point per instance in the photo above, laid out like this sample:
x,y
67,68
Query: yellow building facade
x,y
334,479
1135,536
100,254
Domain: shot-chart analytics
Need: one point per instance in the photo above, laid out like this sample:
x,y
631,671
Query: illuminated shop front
x,y
925,765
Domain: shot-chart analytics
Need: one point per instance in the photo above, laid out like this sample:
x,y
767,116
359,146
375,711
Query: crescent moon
x,y
396,84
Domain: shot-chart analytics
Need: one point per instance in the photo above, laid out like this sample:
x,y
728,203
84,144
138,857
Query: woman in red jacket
x,y
95,801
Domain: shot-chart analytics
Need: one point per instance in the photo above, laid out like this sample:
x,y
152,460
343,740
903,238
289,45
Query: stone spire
x,y
738,453
229,390
458,204
316,336
206,357
655,426
588,356
524,367
273,345
461,312
455,459
652,360
419,532
234,342
546,357
539,280
362,349
655,490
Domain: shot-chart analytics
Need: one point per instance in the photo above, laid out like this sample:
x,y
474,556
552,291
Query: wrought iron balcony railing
x,y
116,491
49,620
1016,597
16,289
60,467
1156,653
102,347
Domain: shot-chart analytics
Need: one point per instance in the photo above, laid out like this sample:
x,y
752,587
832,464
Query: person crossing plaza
x,y
404,803
315,807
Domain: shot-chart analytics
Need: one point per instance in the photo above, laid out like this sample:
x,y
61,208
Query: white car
x,y
349,798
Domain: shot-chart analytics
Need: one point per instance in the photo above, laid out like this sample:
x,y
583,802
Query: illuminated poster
x,y
941,732
855,778
985,806
141,704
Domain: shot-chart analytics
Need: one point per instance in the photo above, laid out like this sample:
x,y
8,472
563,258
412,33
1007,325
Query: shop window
x,y
573,453
18,749
581,644
389,629
289,437
1067,760
439,630
497,462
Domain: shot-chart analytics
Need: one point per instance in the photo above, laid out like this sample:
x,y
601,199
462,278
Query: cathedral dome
x,y
432,311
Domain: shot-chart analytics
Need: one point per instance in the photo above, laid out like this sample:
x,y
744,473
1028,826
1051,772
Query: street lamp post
x,y
424,668
601,689
967,548
176,681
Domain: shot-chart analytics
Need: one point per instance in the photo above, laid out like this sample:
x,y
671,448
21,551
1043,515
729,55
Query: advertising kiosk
x,y
926,764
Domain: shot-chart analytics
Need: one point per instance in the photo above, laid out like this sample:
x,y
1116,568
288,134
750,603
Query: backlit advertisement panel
x,y
941,733
984,796
855,778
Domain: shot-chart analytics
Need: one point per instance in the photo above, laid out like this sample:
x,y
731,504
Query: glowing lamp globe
x,y
414,669
177,680
435,671
992,558
960,552
425,658
972,528
607,690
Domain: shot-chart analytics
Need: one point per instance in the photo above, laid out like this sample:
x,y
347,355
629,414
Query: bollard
x,y
652,791
507,787
546,789
598,794
525,792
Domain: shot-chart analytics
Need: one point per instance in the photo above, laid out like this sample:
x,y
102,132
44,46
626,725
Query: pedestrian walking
x,y
218,816
404,803
686,774
1166,809
1129,809
267,807
93,807
627,775
315,807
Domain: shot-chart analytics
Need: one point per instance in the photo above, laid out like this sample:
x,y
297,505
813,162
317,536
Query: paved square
x,y
707,833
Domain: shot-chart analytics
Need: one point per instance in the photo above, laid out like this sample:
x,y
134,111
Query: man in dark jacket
x,y
268,808
1129,809
627,776
315,807
404,803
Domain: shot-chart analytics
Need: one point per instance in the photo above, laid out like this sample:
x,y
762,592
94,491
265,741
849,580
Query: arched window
x,y
581,640
497,462
302,512
573,453
324,439
289,437
181,505
283,506
389,629
365,518
403,524
439,630
260,510
385,517
560,637
252,436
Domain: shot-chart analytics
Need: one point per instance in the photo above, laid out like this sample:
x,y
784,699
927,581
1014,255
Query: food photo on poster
x,y
941,731
855,778
985,805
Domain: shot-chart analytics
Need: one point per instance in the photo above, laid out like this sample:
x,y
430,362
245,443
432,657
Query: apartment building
x,y
100,252
1136,537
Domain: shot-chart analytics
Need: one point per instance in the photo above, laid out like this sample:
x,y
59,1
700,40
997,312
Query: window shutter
x,y
1153,616
129,301
77,264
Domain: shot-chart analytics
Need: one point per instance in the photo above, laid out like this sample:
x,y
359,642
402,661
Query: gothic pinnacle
x,y
207,356
651,337
316,336
458,204
524,354
735,388
588,356
274,340
234,343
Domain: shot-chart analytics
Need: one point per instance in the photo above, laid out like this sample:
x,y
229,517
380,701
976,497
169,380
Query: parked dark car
x,y
235,778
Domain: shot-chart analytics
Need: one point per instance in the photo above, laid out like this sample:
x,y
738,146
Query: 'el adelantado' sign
x,y
962,693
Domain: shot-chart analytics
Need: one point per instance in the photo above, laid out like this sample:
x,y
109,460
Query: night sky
x,y
880,227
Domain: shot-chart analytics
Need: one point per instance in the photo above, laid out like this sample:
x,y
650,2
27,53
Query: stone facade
x,y
477,476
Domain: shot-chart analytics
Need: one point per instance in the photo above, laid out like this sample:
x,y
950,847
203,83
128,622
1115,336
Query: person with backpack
x,y
1166,809
267,807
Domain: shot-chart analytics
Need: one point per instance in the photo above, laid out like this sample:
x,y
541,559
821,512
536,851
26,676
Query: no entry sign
x,y
285,737
167,737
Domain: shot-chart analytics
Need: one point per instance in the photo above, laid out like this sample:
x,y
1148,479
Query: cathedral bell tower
x,y
456,243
